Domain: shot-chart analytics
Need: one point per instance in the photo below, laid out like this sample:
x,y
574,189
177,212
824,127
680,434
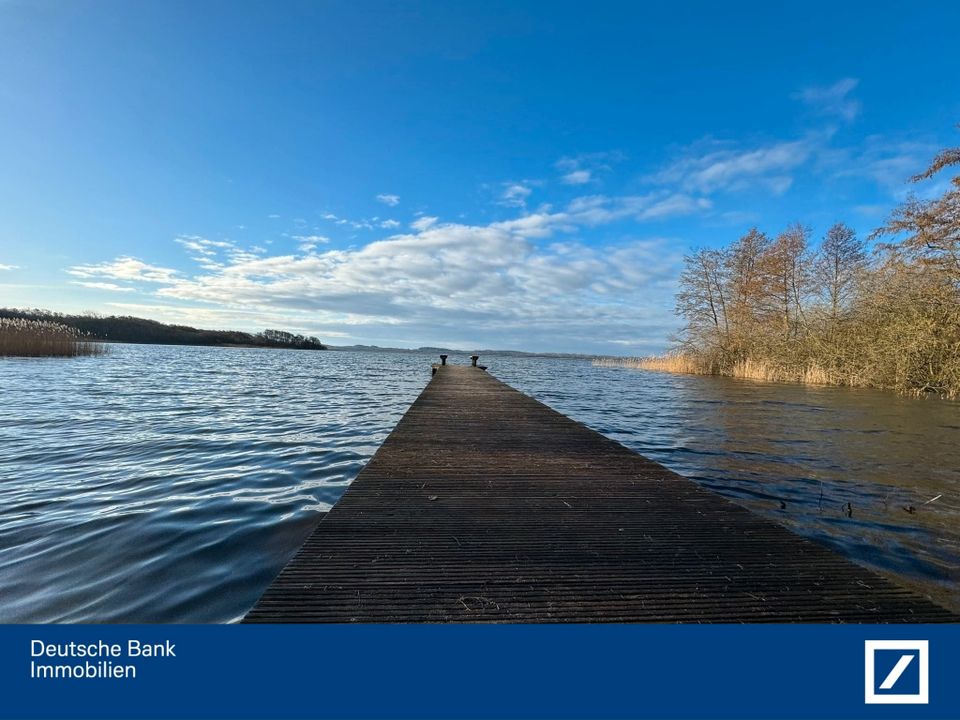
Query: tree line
x,y
140,330
881,311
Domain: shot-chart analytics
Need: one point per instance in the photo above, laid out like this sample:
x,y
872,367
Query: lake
x,y
171,484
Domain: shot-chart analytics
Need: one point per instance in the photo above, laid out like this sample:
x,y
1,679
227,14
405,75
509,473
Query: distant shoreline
x,y
450,351
142,331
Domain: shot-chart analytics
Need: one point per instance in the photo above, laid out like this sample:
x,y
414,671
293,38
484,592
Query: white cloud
x,y
711,166
736,217
486,280
778,184
833,100
586,167
126,268
195,247
389,224
674,205
422,223
362,224
8,267
593,210
886,161
515,195
509,283
308,243
202,246
577,177
387,199
113,287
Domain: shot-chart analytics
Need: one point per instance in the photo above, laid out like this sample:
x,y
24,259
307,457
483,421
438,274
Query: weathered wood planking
x,y
486,505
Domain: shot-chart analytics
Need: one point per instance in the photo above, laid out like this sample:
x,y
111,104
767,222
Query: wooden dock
x,y
484,505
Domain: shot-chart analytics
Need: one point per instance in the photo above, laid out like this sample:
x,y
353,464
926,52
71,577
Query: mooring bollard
x,y
473,360
443,359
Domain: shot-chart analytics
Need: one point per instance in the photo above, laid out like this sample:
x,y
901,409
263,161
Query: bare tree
x,y
893,322
745,279
786,274
839,264
702,300
932,227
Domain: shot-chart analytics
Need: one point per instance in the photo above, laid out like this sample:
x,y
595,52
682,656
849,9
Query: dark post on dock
x,y
484,505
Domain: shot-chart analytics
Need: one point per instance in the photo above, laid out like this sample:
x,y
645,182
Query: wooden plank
x,y
484,505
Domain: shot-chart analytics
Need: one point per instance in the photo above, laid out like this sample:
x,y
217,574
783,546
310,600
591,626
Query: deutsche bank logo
x,y
897,672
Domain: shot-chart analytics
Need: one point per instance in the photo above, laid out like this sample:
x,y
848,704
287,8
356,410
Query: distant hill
x,y
450,351
129,329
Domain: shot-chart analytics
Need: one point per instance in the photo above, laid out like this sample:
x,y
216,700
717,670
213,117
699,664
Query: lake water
x,y
171,484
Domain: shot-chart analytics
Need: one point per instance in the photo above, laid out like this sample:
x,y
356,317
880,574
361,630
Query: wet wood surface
x,y
484,505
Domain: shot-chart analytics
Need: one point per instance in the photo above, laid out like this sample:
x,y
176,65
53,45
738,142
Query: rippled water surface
x,y
170,484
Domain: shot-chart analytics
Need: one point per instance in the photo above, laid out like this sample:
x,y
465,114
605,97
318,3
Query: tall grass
x,y
673,362
35,338
749,369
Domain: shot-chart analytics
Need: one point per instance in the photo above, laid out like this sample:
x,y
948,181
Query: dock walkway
x,y
485,505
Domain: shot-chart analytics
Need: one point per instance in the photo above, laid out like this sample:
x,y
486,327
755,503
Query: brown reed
x,y
39,338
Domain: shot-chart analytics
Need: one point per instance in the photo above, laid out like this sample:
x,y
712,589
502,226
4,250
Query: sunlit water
x,y
170,484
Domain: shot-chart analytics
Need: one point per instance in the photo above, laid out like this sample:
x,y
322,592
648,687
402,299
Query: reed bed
x,y
746,369
675,363
805,374
38,338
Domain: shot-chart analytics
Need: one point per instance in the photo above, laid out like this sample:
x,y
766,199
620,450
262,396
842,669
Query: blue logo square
x,y
887,662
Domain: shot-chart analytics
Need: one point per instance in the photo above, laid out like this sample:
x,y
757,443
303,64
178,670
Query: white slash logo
x,y
912,656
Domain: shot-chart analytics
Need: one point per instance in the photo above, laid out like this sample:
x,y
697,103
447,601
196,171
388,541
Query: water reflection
x,y
166,484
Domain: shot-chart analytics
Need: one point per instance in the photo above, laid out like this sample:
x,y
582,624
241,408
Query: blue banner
x,y
472,671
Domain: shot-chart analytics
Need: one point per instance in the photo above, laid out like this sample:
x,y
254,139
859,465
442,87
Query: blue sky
x,y
496,174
